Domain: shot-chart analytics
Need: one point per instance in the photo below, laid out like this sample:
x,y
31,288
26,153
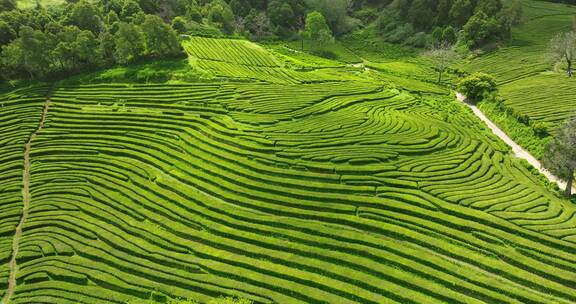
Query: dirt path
x,y
26,206
516,149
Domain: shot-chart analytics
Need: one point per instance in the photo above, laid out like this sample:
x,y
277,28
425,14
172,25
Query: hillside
x,y
526,79
286,179
298,151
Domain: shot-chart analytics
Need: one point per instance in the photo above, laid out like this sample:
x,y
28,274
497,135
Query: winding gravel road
x,y
517,149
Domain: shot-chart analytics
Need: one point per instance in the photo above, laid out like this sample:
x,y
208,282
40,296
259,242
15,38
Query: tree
x,y
257,24
560,154
86,16
514,12
420,14
221,15
12,59
317,31
180,25
130,9
442,56
477,86
449,35
35,48
437,36
161,39
481,29
193,13
7,34
281,14
460,12
107,46
130,43
443,12
240,7
489,7
563,48
335,13
7,5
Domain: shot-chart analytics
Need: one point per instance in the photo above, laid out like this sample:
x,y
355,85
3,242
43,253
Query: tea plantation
x,y
273,183
523,70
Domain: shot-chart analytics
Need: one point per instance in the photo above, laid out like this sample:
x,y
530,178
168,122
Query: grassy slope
x,y
304,181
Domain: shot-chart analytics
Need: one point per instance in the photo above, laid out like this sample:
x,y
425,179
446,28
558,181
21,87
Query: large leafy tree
x,y
35,46
257,24
563,49
421,14
86,16
317,31
335,13
220,14
161,39
7,34
481,29
130,43
76,49
560,154
460,12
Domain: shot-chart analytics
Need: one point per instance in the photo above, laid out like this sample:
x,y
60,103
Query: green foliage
x,y
460,12
449,35
257,25
130,10
477,86
86,16
219,13
285,16
336,14
130,43
193,13
317,31
28,53
526,135
489,7
180,25
7,5
161,39
420,14
76,49
481,29
7,33
560,153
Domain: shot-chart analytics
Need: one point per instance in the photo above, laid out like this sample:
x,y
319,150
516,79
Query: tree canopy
x,y
563,49
560,154
317,31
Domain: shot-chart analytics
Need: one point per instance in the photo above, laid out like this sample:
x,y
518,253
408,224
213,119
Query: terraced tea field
x,y
247,61
277,190
522,67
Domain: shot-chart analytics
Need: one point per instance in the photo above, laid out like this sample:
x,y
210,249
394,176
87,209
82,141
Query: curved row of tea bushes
x,y
20,112
348,193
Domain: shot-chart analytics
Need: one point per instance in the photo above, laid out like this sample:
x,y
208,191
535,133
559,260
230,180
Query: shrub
x,y
477,86
541,129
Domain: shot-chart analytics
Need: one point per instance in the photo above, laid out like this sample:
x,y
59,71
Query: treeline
x,y
56,41
474,23
85,35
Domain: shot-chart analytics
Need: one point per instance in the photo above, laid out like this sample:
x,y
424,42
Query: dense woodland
x,y
85,35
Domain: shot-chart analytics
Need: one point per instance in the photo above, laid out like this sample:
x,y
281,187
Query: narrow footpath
x,y
516,149
13,265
